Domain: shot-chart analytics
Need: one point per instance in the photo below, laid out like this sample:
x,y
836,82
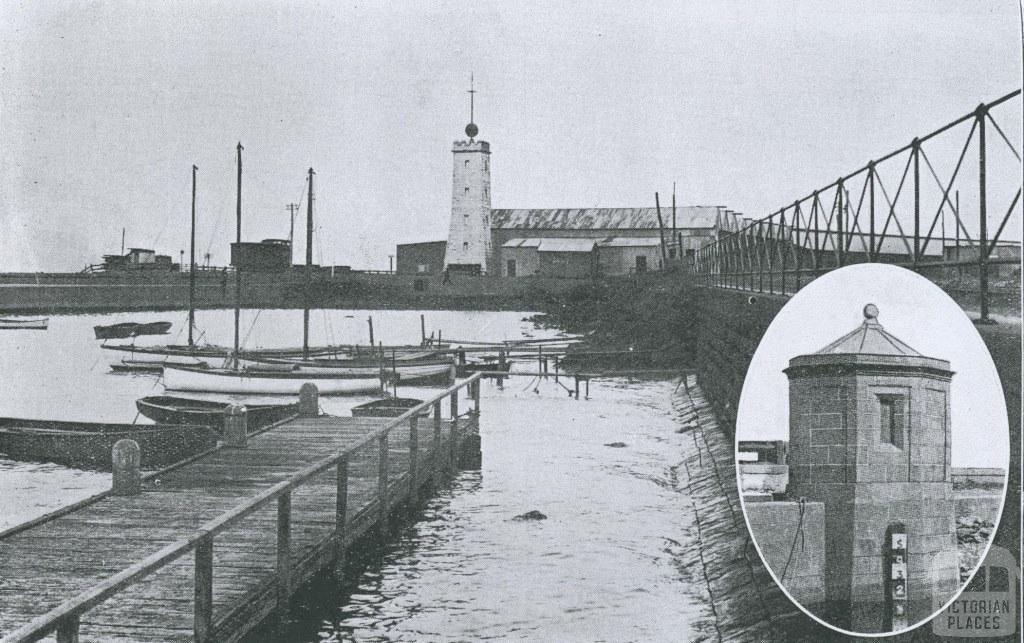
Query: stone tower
x,y
869,438
469,232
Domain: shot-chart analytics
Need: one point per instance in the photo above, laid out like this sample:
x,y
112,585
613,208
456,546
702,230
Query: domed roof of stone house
x,y
869,338
869,347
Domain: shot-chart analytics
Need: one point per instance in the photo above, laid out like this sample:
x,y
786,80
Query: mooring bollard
x,y
236,426
126,459
309,400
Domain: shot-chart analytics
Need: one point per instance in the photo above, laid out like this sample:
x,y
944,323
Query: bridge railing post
x,y
202,629
983,247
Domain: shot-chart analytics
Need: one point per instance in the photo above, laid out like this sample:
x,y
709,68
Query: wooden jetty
x,y
213,547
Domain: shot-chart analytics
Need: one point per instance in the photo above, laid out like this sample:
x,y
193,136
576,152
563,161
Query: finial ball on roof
x,y
471,130
871,311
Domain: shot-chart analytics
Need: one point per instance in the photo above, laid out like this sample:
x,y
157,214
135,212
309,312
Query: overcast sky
x,y
913,309
106,106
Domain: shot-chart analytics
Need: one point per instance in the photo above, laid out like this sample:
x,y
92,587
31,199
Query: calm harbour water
x,y
600,568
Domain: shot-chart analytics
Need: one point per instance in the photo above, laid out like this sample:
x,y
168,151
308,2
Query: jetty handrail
x,y
67,614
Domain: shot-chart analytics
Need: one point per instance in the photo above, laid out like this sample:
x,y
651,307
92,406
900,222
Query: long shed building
x,y
560,242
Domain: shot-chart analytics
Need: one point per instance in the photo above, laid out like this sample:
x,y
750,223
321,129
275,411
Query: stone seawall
x,y
746,603
792,540
52,293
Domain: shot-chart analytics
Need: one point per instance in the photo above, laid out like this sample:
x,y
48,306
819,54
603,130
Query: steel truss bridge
x,y
903,208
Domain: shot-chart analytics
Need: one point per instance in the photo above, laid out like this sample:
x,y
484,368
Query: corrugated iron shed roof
x,y
567,245
698,216
521,243
630,242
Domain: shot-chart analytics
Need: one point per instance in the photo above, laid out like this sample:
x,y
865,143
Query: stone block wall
x,y
774,528
926,510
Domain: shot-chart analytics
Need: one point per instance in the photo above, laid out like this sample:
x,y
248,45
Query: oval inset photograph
x,y
872,447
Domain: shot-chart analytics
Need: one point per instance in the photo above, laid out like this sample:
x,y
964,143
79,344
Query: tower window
x,y
892,416
465,190
466,163
465,245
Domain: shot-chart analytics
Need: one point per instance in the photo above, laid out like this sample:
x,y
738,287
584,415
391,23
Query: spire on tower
x,y
471,129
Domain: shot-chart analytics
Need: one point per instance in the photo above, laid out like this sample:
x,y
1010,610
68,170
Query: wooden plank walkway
x,y
249,553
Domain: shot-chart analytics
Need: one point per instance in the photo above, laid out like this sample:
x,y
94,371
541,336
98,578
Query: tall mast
x,y
675,236
192,265
309,263
238,240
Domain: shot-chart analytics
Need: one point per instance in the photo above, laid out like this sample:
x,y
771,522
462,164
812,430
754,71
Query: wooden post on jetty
x,y
369,320
340,510
452,439
437,443
476,397
126,460
284,557
309,400
382,481
236,430
423,330
502,362
203,611
414,451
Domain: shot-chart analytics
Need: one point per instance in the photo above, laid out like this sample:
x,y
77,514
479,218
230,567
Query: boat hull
x,y
24,324
87,445
388,408
212,380
131,329
406,372
167,409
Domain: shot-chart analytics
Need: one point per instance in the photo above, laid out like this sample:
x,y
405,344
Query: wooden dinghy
x,y
87,445
131,329
264,382
391,407
469,368
168,409
10,323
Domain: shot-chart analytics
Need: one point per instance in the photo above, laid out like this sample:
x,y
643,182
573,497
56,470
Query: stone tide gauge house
x,y
562,242
870,484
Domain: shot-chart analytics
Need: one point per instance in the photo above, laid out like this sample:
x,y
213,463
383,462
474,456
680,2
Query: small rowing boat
x,y
131,329
184,410
10,323
87,445
391,407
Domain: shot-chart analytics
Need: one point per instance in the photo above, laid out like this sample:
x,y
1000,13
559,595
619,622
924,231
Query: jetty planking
x,y
213,547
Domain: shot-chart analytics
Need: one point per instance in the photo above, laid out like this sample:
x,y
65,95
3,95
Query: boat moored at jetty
x,y
169,409
390,407
87,445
